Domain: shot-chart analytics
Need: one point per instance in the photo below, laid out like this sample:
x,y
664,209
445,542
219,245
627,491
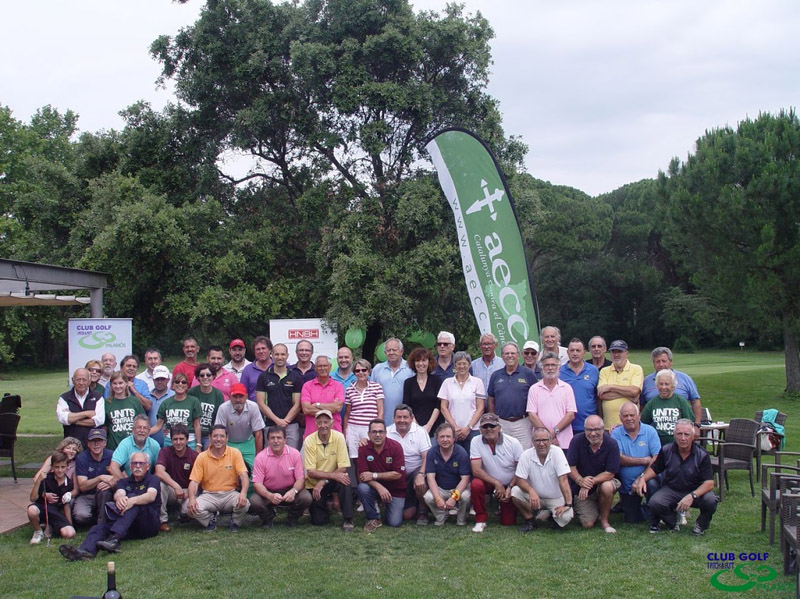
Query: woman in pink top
x,y
363,401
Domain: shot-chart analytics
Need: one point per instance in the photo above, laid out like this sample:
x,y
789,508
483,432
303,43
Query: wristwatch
x,y
556,430
694,495
374,476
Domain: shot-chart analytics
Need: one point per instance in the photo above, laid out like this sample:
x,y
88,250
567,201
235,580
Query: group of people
x,y
551,437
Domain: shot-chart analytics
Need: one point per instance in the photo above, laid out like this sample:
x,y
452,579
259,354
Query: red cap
x,y
238,389
236,343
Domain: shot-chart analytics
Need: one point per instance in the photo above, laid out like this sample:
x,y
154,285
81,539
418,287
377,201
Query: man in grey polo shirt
x,y
244,424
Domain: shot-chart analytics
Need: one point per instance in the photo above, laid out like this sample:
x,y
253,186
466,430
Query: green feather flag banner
x,y
495,269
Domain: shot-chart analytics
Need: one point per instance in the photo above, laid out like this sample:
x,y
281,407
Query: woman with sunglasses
x,y
421,391
363,401
462,400
210,398
95,369
180,408
121,410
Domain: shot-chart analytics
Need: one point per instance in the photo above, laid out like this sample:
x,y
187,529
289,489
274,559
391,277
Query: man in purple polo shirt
x,y
382,476
279,480
262,351
322,393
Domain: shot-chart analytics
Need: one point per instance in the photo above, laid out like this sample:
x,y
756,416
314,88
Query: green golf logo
x,y
749,573
96,340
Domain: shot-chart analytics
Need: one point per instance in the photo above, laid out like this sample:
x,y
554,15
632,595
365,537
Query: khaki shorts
x,y
588,510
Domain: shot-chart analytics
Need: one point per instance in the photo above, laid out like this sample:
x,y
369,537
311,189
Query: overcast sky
x,y
604,93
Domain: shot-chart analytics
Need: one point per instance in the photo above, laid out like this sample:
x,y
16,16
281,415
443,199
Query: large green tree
x,y
339,96
735,205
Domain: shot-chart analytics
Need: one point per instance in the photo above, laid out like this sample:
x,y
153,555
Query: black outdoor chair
x,y
736,452
8,437
773,486
10,403
790,518
781,419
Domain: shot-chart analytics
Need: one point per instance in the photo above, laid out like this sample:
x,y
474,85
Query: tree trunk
x,y
792,358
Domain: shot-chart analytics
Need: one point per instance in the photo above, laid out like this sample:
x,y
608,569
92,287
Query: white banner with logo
x,y
90,338
290,331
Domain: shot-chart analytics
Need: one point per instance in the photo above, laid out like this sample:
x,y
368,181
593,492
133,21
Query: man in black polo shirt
x,y
688,481
594,461
278,395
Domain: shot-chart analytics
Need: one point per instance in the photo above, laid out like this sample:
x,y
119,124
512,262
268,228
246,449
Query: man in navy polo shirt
x,y
382,476
594,462
95,482
582,377
445,344
508,396
447,469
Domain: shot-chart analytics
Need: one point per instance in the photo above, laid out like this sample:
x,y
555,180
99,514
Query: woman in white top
x,y
463,397
363,401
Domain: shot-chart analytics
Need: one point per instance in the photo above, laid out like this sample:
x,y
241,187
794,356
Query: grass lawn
x,y
429,562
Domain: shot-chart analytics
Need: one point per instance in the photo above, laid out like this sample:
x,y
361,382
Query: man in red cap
x,y
243,422
238,361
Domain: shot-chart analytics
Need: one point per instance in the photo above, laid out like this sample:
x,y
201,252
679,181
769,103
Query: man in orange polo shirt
x,y
219,470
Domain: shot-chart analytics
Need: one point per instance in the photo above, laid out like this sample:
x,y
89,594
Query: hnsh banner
x,y
495,268
90,338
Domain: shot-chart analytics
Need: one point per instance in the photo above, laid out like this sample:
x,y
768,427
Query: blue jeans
x,y
369,499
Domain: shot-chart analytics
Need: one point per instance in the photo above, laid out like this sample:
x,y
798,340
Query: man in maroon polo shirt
x,y
382,476
173,467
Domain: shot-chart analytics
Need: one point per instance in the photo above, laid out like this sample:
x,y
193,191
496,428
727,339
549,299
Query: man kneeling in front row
x,y
688,481
132,515
541,484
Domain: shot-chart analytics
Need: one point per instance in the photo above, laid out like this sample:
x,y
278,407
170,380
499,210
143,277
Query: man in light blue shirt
x,y
391,375
138,441
489,361
638,447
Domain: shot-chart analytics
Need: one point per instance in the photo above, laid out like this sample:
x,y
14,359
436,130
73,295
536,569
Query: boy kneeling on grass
x,y
51,495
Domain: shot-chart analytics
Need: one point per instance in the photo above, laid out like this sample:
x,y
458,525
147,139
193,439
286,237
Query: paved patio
x,y
14,499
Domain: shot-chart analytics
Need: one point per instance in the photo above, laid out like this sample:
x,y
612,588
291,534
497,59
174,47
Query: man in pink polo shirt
x,y
322,393
551,402
279,480
223,380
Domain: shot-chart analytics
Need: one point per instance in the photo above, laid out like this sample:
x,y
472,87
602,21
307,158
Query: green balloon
x,y
428,340
380,352
415,336
354,338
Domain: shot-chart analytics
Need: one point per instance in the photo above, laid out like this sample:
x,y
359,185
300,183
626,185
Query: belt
x,y
514,419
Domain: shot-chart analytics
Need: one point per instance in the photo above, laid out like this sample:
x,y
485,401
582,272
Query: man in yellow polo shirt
x,y
219,470
620,382
326,461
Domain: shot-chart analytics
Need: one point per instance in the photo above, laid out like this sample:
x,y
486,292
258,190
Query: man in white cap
x,y
158,394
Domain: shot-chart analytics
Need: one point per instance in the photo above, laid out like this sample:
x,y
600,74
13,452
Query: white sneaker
x,y
479,527
37,537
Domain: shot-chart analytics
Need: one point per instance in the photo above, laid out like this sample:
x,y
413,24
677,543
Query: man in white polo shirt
x,y
493,457
416,443
541,483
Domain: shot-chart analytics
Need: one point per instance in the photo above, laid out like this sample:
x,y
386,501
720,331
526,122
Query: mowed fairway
x,y
430,562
